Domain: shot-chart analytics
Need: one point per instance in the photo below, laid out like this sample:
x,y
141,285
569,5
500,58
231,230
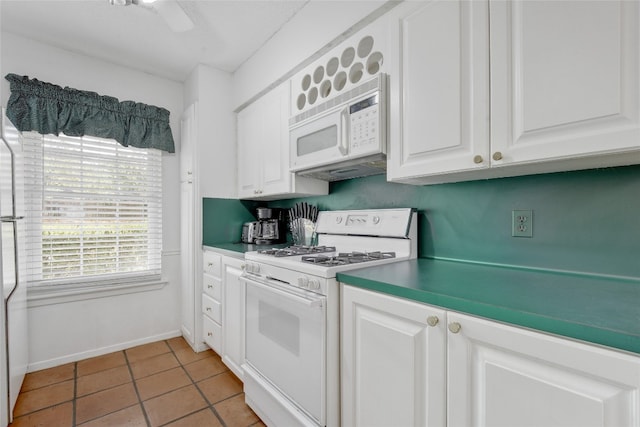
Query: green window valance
x,y
50,109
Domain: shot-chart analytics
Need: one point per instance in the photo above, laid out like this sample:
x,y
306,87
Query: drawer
x,y
212,263
211,308
212,334
212,286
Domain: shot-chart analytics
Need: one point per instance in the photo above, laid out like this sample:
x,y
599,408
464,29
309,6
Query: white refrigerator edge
x,y
14,347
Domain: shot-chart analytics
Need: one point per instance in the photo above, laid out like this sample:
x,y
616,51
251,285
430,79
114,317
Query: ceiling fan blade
x,y
173,14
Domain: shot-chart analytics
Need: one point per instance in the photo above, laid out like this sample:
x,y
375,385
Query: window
x,y
93,208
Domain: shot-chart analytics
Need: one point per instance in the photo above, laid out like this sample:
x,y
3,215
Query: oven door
x,y
320,141
286,341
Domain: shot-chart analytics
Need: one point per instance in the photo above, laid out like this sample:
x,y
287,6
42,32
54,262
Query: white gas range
x,y
292,369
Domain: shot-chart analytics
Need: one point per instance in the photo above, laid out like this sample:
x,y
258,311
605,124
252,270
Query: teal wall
x,y
584,221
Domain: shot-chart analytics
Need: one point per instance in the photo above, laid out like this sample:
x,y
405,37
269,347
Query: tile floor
x,y
159,384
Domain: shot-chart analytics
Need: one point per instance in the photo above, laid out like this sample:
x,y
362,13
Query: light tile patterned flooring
x,y
164,383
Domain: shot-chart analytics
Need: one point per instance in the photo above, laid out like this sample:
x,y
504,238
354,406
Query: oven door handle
x,y
278,289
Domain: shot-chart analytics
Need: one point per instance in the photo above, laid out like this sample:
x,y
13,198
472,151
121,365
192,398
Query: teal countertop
x,y
235,249
239,248
597,309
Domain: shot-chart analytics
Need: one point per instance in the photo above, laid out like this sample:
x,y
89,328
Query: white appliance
x,y
292,367
14,354
345,137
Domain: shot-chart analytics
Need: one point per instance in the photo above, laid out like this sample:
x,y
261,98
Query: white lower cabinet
x,y
490,374
211,300
223,308
233,315
392,362
212,333
500,375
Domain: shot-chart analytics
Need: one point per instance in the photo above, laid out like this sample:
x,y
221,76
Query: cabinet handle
x,y
210,286
208,309
189,173
478,159
209,334
455,327
210,264
432,320
497,155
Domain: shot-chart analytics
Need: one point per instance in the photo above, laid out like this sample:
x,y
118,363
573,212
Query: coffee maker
x,y
270,228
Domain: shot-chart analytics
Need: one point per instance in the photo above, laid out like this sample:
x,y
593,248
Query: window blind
x,y
93,209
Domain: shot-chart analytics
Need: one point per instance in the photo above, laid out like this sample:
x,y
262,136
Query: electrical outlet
x,y
522,223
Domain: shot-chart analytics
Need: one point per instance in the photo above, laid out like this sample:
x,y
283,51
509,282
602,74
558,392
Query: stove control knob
x,y
338,219
314,284
303,282
376,219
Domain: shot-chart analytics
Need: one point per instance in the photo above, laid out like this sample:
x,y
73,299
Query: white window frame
x,y
48,291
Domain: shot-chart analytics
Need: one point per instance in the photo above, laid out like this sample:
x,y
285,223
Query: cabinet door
x,y
187,143
263,146
276,178
392,361
187,264
500,375
440,97
187,230
249,152
233,321
564,80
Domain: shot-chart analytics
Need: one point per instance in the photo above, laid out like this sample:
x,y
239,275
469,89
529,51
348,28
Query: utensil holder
x,y
303,232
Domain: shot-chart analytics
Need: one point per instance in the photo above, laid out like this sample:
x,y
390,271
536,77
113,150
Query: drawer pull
x,y
209,334
210,286
455,327
208,308
210,264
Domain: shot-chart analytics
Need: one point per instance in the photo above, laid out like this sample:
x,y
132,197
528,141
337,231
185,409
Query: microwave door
x,y
320,141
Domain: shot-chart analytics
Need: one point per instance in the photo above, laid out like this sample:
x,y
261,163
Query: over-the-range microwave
x,y
345,137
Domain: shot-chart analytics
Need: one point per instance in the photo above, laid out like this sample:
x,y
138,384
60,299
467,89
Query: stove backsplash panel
x,y
584,221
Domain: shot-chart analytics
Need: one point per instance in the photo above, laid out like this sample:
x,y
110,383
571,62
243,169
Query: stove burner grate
x,y
297,250
347,258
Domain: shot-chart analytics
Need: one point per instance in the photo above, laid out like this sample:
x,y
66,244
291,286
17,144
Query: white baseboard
x,y
37,366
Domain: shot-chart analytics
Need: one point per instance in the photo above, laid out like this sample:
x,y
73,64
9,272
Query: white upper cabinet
x,y
263,151
440,89
565,80
564,85
188,138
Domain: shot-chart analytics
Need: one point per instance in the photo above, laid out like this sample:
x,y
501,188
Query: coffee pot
x,y
270,227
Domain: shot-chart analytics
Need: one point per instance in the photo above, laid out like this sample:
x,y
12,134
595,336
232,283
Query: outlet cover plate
x,y
522,223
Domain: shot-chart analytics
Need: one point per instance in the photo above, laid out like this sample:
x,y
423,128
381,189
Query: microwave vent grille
x,y
373,84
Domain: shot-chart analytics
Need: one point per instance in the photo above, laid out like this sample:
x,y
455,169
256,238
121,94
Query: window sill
x,y
39,296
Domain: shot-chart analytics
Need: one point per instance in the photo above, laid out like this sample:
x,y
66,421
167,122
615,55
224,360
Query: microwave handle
x,y
344,132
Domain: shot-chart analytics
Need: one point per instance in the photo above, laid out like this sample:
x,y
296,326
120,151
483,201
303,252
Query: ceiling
x,y
226,32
